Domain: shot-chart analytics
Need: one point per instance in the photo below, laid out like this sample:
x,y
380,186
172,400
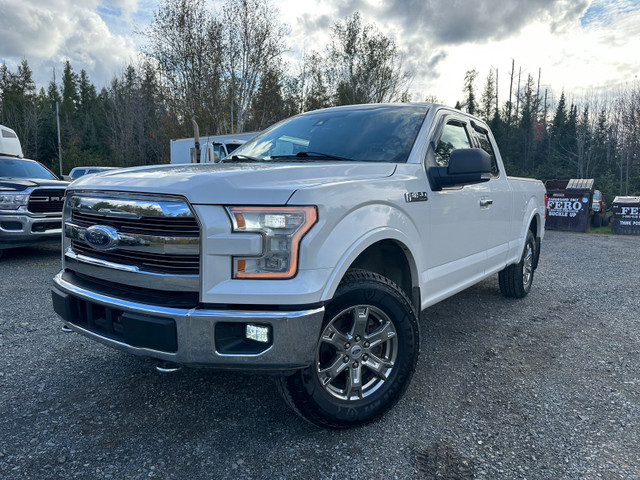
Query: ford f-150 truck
x,y
31,197
308,253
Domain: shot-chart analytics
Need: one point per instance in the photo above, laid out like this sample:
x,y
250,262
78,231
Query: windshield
x,y
376,134
19,168
597,196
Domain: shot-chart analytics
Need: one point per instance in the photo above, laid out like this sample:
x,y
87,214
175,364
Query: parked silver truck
x,y
31,197
309,252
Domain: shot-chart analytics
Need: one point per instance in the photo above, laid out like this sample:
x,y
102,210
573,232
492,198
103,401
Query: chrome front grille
x,y
46,200
138,240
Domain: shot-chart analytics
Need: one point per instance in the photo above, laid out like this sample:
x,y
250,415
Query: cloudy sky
x,y
581,46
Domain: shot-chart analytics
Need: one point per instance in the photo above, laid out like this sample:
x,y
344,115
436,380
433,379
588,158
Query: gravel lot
x,y
542,388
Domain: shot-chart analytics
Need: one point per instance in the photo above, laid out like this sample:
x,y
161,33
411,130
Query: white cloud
x,y
48,33
576,57
578,44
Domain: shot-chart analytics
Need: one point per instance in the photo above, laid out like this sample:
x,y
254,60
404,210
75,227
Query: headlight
x,y
13,201
282,229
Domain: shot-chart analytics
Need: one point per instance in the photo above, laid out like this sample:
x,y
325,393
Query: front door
x,y
457,236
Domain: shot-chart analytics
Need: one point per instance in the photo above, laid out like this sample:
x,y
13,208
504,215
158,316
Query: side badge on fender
x,y
416,197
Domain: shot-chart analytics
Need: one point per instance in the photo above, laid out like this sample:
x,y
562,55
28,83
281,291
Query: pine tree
x,y
488,99
470,102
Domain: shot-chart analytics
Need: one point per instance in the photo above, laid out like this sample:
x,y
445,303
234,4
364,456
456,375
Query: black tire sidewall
x,y
341,413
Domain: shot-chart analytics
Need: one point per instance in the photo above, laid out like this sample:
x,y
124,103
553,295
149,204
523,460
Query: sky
x,y
583,47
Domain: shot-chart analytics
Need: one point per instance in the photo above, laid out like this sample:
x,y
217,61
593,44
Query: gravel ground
x,y
542,388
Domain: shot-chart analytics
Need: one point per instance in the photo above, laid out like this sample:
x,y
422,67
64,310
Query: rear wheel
x,y
365,357
596,220
515,280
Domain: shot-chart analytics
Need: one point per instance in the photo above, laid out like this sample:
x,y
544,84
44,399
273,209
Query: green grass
x,y
606,229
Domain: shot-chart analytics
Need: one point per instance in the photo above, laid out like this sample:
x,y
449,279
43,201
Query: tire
x,y
516,280
605,221
364,359
596,220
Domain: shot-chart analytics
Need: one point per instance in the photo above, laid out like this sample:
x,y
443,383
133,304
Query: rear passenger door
x,y
497,213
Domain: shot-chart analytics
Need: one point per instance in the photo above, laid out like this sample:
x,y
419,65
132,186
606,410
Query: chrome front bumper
x,y
20,230
191,336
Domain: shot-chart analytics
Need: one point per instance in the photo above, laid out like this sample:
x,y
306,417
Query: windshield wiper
x,y
312,156
241,158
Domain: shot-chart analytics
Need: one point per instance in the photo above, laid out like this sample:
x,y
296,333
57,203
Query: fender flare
x,y
533,214
361,244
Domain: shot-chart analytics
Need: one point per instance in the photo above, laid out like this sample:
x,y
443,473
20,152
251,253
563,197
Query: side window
x,y
454,135
485,144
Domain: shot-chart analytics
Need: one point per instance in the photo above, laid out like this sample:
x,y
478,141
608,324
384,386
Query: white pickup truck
x,y
308,253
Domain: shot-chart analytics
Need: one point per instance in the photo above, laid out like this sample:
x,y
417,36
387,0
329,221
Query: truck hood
x,y
232,183
10,184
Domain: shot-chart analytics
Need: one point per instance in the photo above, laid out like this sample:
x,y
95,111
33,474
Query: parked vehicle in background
x,y
308,252
31,197
77,172
213,148
599,208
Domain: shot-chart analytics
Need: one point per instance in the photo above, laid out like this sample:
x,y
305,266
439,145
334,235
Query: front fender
x,y
359,230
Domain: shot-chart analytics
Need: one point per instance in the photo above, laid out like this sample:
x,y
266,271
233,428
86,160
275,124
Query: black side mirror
x,y
466,166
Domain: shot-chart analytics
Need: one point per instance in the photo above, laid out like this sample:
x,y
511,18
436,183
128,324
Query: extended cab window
x,y
454,135
485,144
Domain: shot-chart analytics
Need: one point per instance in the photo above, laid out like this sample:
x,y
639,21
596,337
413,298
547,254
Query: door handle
x,y
485,202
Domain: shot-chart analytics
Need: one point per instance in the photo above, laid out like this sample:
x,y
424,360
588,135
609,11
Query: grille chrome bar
x,y
145,243
130,208
129,275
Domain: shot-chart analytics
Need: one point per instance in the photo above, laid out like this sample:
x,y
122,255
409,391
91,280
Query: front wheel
x,y
365,356
515,280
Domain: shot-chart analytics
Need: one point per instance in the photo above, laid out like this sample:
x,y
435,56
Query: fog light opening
x,y
258,333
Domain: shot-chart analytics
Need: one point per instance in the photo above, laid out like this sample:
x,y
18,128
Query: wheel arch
x,y
386,253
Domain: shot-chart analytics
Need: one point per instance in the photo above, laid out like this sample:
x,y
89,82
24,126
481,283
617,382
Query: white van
x,y
213,148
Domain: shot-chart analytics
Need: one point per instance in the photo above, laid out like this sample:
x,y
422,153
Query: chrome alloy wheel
x,y
356,353
527,266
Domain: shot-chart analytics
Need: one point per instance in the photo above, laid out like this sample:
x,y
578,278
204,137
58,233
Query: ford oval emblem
x,y
102,237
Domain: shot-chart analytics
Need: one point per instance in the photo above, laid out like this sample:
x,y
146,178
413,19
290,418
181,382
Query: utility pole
x,y
518,94
513,64
58,124
59,143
